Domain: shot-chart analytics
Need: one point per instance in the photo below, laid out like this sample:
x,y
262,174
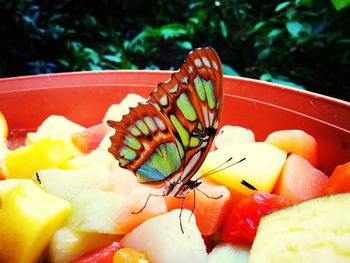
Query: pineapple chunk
x,y
258,171
25,161
96,156
28,219
317,230
67,245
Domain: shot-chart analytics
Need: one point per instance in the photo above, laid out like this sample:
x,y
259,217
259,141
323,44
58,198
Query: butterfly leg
x,y
208,196
182,208
144,206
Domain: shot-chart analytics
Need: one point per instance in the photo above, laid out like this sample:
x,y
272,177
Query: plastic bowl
x,y
260,106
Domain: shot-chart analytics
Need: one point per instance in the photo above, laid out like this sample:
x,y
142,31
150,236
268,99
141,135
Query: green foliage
x,y
298,41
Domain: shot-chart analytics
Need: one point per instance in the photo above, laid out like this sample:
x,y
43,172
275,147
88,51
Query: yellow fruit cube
x,y
258,171
25,161
28,219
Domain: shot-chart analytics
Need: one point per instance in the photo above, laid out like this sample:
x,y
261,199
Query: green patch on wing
x,y
205,91
162,163
186,107
182,131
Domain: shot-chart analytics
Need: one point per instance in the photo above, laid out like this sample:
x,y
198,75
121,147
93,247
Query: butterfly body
x,y
165,140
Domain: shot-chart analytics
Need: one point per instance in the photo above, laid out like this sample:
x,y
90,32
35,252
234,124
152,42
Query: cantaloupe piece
x,y
258,171
339,182
162,240
211,204
317,230
123,181
129,216
300,181
297,142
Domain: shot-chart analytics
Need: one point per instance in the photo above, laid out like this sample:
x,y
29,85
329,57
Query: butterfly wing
x,y
168,137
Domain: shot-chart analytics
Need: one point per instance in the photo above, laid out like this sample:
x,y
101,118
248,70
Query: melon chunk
x,y
258,171
162,240
316,230
128,216
297,142
67,245
67,183
229,134
229,253
95,211
300,181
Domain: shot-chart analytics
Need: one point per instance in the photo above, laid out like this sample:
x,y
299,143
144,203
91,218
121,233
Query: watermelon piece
x,y
211,203
300,181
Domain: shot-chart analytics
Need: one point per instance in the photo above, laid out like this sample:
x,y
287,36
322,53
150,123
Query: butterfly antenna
x,y
216,169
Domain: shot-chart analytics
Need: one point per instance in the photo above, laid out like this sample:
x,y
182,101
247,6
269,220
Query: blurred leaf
x,y
340,4
294,28
229,71
263,54
281,6
94,67
223,29
92,55
274,33
185,44
307,3
270,78
172,30
117,58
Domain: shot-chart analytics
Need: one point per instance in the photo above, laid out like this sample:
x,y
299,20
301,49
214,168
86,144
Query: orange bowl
x,y
260,106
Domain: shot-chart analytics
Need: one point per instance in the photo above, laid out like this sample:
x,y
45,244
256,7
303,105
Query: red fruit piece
x,y
339,182
101,255
296,142
244,218
211,206
300,181
90,138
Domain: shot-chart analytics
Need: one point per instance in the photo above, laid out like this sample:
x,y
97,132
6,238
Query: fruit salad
x,y
64,198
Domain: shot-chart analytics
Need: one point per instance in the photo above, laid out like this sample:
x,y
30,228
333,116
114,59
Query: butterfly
x,y
165,140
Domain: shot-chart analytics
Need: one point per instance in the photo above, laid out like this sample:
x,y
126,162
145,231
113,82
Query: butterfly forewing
x,y
188,105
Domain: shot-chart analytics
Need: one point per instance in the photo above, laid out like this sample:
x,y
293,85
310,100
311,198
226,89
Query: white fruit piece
x,y
67,245
106,142
97,156
229,134
317,230
258,171
162,240
95,211
67,183
116,111
229,253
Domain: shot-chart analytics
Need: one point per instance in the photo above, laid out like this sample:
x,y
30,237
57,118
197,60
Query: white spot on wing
x,y
190,69
194,159
174,89
160,123
185,80
211,118
164,100
198,62
206,62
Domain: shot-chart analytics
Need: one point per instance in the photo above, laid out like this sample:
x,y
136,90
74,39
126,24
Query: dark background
x,y
302,43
